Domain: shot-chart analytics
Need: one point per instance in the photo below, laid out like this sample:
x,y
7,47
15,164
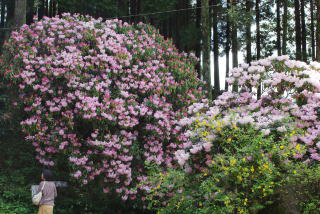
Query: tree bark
x,y
50,9
20,12
9,22
318,31
278,28
234,37
285,26
216,48
2,24
258,43
46,8
298,28
313,46
234,41
30,12
303,32
198,48
3,6
248,31
205,28
134,10
227,47
41,9
54,7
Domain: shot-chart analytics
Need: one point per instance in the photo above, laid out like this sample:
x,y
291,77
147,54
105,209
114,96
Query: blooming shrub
x,y
104,94
289,89
238,151
233,167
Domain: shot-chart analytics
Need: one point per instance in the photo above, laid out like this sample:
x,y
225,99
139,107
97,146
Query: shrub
x,y
103,95
232,167
269,124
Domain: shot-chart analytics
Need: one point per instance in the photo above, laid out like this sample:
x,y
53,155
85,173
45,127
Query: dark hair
x,y
47,174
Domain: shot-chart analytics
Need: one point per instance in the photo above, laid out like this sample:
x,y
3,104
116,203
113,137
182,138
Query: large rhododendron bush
x,y
105,95
239,151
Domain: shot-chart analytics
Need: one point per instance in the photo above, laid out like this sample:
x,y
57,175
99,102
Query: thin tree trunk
x,y
9,18
258,43
216,48
227,47
303,32
278,29
20,12
248,31
313,46
205,28
297,29
3,6
318,31
2,24
41,9
198,48
234,41
134,10
54,7
30,12
285,26
50,12
138,9
46,8
178,23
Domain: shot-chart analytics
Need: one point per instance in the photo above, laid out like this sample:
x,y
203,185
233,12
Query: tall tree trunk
x,y
278,28
216,47
2,24
9,22
318,31
205,28
134,10
41,9
30,11
20,12
285,26
54,7
234,37
313,46
248,31
234,41
50,12
258,42
9,18
198,48
227,47
297,28
3,6
138,9
46,7
303,32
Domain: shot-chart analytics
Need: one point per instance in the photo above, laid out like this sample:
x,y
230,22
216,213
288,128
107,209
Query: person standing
x,y
49,192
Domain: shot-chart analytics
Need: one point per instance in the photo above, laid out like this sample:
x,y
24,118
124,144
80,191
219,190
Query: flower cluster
x,y
289,99
105,95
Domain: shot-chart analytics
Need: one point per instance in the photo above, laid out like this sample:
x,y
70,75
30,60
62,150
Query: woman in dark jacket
x,y
49,192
